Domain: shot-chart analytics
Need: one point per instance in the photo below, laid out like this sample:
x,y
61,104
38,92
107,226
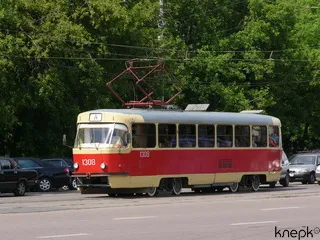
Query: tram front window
x,y
101,136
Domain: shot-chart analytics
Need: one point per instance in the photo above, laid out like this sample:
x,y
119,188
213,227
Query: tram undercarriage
x,y
168,186
247,183
172,186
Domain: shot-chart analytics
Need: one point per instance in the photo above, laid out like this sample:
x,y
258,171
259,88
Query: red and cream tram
x,y
147,151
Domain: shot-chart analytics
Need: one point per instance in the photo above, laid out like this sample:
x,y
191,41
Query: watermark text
x,y
304,232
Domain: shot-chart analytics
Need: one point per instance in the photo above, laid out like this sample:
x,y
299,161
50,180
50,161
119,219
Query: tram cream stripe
x,y
132,218
193,179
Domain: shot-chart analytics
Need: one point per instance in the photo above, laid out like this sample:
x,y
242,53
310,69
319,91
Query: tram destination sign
x,y
95,117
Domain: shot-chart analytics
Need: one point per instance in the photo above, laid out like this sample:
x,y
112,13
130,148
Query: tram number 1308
x,y
88,162
144,154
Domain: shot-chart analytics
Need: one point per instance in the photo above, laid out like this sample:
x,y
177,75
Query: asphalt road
x,y
263,215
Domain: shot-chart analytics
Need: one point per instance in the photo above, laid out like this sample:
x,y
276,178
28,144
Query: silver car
x,y
285,178
303,167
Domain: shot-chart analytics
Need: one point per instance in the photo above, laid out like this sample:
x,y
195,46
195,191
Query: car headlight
x,y
318,170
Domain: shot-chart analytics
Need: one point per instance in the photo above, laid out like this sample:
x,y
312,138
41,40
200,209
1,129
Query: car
x,y
64,162
303,167
15,180
284,177
318,174
49,176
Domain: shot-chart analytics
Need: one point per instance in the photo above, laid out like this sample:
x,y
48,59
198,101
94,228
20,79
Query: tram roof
x,y
180,116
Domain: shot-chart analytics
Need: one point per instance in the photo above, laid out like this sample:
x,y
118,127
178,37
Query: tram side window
x,y
273,136
143,135
187,135
206,135
242,134
259,136
224,135
167,135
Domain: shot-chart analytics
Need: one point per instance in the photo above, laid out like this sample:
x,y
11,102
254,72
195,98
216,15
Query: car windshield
x,y
302,160
32,163
68,161
101,135
284,158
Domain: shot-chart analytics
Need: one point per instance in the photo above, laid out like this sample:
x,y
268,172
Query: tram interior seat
x,y
185,143
224,143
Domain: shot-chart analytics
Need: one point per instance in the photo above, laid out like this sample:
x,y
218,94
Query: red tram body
x,y
147,151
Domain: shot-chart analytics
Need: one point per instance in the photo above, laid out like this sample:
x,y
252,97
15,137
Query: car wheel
x,y
312,178
44,184
20,189
74,183
286,181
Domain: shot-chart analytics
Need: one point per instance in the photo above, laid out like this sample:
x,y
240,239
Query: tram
x,y
147,151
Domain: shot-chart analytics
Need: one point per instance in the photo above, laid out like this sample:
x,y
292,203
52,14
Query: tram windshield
x,y
101,136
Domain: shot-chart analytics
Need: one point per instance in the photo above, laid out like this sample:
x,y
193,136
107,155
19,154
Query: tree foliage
x,y
56,57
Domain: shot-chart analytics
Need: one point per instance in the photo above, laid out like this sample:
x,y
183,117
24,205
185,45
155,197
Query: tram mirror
x,y
64,139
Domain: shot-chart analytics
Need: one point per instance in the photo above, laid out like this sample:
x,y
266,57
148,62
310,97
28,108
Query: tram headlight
x,y
76,165
103,165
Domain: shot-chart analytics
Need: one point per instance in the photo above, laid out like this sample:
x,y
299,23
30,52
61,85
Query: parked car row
x,y
17,175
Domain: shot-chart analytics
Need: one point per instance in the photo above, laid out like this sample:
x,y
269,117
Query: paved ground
x,y
264,215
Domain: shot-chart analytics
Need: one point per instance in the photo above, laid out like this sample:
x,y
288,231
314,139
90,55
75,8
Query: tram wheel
x,y
255,183
152,191
234,187
176,186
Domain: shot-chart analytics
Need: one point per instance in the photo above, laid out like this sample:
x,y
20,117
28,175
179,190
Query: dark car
x,y
15,180
49,176
64,162
303,167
